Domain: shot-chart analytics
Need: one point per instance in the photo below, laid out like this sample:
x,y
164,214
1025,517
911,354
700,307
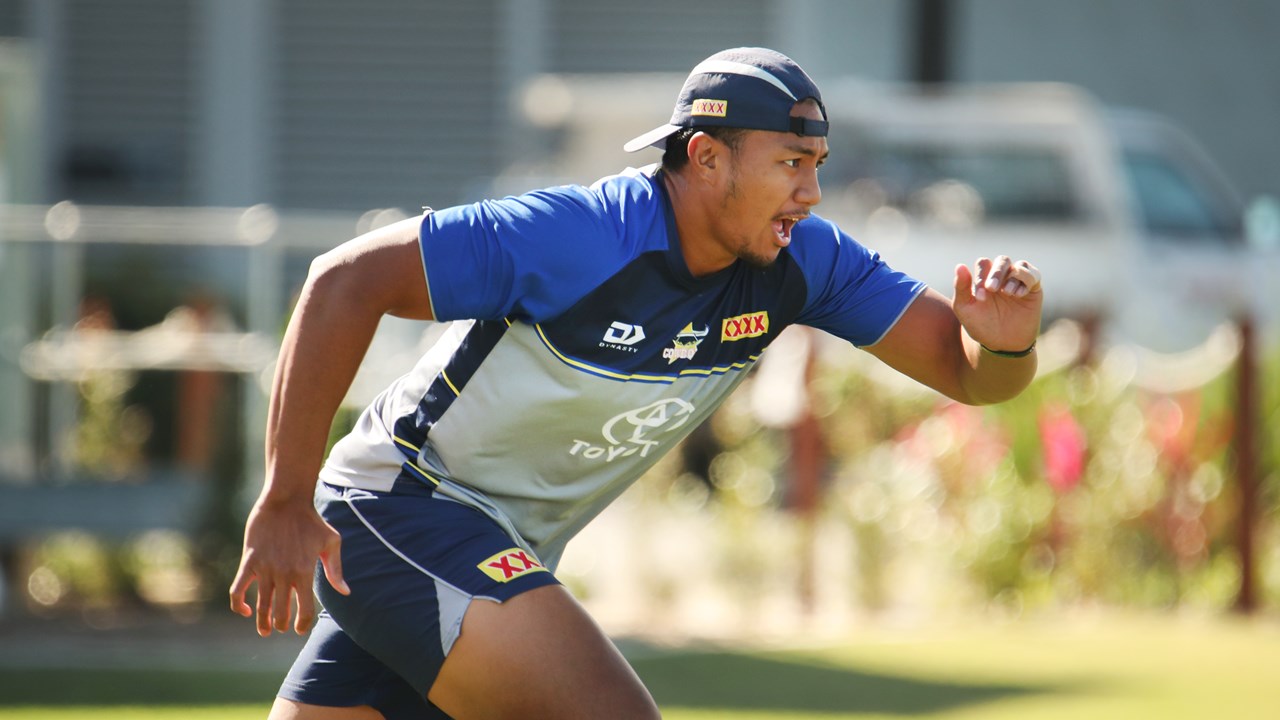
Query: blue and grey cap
x,y
752,88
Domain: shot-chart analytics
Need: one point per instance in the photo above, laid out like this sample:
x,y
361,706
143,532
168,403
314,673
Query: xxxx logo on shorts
x,y
744,326
511,564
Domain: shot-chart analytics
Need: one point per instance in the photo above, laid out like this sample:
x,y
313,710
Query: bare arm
x,y
347,292
939,343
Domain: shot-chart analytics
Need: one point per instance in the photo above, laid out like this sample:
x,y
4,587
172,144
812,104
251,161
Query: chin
x,y
757,260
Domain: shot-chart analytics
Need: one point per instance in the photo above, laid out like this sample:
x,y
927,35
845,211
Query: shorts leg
x,y
414,562
332,670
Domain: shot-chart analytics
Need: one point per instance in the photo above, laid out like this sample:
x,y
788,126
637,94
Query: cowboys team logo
x,y
636,431
686,344
511,564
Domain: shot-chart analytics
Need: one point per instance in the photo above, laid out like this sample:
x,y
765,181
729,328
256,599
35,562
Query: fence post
x,y
1247,462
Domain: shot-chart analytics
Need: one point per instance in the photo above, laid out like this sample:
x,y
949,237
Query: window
x,y
996,183
1170,203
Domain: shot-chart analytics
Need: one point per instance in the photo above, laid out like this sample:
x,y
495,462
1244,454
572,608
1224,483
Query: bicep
x,y
926,345
383,269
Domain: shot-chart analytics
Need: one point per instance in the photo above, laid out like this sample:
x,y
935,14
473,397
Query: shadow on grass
x,y
737,681
64,687
712,680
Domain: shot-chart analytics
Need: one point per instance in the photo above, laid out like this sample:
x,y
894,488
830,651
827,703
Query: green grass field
x,y
1117,668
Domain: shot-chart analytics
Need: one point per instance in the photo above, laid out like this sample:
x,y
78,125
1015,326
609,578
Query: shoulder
x,y
819,245
631,195
850,291
538,252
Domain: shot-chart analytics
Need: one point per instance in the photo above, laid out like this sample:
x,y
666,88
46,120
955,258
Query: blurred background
x,y
168,169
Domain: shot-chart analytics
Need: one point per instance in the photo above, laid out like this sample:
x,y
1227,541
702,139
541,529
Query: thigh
x,y
414,564
537,655
285,709
334,677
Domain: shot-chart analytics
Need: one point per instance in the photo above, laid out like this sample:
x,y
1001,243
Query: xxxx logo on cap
x,y
712,108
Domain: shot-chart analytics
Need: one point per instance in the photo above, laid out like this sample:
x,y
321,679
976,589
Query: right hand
x,y
281,543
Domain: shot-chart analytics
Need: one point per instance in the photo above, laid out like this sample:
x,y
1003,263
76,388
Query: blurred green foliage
x,y
1084,489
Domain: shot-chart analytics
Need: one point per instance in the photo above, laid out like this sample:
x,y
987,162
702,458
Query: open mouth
x,y
782,229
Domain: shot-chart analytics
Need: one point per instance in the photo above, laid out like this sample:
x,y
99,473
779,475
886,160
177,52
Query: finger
x,y
280,607
1023,279
306,612
1027,274
331,561
240,587
263,608
982,269
963,284
999,273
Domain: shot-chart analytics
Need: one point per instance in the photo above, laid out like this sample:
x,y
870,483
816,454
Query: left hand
x,y
999,302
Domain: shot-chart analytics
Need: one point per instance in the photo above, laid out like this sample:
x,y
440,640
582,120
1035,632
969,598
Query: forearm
x,y
347,292
325,342
991,378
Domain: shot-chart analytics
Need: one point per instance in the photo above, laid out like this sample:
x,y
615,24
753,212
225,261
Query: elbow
x,y
329,277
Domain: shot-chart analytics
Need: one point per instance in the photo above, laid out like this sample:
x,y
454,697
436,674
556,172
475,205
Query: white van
x,y
1127,217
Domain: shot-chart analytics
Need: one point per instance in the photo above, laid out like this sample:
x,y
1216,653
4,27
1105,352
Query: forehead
x,y
784,142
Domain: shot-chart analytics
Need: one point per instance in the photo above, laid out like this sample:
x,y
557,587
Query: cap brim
x,y
656,137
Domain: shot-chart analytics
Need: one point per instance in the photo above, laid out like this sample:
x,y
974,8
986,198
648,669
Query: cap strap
x,y
806,127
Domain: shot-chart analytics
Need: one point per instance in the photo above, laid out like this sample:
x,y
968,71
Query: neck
x,y
702,254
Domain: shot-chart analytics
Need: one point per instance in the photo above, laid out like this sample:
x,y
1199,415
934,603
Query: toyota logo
x,y
635,426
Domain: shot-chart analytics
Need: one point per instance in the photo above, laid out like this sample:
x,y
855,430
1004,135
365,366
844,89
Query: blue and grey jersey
x,y
583,349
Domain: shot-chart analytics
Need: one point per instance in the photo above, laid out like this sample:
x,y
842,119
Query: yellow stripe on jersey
x,y
449,382
410,465
596,370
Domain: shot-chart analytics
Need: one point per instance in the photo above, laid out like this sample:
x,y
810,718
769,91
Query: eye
x,y
794,162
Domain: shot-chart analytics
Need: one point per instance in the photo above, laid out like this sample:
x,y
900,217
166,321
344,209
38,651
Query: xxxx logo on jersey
x,y
511,564
744,326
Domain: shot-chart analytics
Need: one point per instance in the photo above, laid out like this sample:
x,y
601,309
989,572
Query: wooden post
x,y
1245,444
930,61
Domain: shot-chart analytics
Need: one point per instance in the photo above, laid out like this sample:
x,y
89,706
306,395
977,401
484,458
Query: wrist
x,y
1010,353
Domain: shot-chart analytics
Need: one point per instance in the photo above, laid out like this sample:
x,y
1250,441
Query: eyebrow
x,y
807,151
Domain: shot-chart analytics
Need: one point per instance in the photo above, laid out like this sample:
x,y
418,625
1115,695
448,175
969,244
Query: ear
x,y
706,155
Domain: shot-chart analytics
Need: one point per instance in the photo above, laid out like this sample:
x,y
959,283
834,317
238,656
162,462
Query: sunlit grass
x,y
1119,668
1100,668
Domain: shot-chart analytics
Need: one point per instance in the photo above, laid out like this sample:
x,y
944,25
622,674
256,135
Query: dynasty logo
x,y
685,344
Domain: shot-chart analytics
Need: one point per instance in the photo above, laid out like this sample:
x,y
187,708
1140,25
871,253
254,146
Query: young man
x,y
597,327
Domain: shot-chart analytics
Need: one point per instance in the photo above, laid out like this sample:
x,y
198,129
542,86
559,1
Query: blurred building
x,y
332,104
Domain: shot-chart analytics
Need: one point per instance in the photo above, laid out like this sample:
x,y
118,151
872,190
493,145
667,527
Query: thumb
x,y
331,560
963,285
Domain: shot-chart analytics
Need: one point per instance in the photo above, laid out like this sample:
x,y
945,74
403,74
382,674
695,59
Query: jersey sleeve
x,y
528,256
851,292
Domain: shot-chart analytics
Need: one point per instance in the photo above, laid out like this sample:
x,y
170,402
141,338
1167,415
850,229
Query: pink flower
x,y
1064,445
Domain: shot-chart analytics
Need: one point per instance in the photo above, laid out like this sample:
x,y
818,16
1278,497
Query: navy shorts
x,y
414,562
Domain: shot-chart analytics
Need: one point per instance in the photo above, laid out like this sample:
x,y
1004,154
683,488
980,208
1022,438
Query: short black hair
x,y
676,155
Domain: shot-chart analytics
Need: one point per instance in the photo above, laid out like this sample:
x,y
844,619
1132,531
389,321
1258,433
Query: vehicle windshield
x,y
1171,204
963,184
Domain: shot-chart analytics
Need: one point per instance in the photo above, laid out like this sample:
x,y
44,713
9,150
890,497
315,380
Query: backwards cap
x,y
752,88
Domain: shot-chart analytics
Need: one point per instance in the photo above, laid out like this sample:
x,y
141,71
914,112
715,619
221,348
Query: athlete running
x,y
593,328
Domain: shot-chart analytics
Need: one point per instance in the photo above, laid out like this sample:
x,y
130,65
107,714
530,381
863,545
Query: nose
x,y
809,191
